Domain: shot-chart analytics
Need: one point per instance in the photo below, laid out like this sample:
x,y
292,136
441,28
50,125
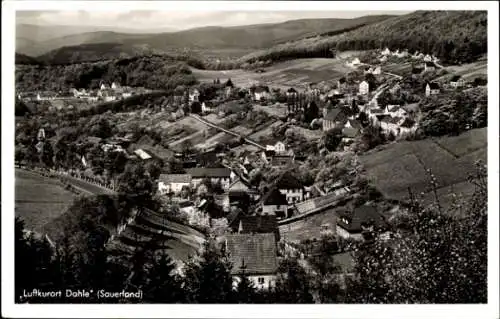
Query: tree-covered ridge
x,y
93,52
451,35
152,72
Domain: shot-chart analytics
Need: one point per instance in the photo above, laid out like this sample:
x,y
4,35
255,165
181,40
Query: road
x,y
249,141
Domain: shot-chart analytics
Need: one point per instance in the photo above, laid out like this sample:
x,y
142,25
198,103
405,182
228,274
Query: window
x,y
277,206
261,280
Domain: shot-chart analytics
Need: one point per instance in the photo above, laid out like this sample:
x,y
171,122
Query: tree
x,y
47,155
163,285
208,280
332,139
135,183
294,285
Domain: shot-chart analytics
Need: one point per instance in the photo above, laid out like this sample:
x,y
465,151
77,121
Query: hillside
x,y
250,36
152,72
426,31
93,52
25,59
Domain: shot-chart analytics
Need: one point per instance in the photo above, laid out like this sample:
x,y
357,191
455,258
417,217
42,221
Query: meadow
x,y
398,167
39,199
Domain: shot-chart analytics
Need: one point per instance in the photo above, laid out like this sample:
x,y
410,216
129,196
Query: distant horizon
x,y
154,21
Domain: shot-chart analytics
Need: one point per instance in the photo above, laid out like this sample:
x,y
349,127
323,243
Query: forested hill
x,y
93,52
152,72
256,36
25,59
454,36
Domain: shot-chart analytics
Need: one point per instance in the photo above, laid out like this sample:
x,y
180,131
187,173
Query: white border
x,y
9,309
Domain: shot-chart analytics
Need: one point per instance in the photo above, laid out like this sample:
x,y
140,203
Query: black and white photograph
x,y
246,153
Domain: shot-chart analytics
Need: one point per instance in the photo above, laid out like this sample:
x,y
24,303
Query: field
x,y
468,71
398,68
39,199
309,227
400,166
295,73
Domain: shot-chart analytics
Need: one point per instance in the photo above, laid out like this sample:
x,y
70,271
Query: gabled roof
x,y
408,123
362,215
433,85
248,224
350,132
355,124
288,181
175,178
274,197
142,154
335,115
292,90
411,107
200,172
252,254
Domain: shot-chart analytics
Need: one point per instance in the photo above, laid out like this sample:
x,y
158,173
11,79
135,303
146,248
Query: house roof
x,y
274,197
433,85
292,90
355,124
288,181
175,178
200,172
411,107
334,115
142,154
256,224
257,253
360,216
261,89
407,123
455,78
350,132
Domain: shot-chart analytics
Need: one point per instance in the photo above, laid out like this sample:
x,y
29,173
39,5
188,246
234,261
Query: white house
x,y
274,203
104,86
194,95
255,256
427,58
377,70
261,93
386,52
457,81
291,187
115,85
278,148
355,224
206,107
432,89
173,183
364,88
356,61
215,175
383,59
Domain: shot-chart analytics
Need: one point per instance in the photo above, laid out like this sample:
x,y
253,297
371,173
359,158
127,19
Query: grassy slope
x,y
401,165
296,73
39,199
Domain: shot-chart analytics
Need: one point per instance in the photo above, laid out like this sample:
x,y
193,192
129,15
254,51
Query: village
x,y
219,186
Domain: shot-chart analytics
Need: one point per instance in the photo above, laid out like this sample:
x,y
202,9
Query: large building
x,y
254,256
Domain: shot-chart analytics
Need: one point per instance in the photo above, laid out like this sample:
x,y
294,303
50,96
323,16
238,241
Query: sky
x,y
179,20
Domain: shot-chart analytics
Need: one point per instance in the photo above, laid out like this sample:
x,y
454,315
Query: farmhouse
x,y
207,107
334,118
457,81
115,85
194,95
274,203
364,88
291,92
360,222
215,175
386,52
104,86
255,256
261,93
429,66
173,183
431,88
291,187
142,154
278,148
341,83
